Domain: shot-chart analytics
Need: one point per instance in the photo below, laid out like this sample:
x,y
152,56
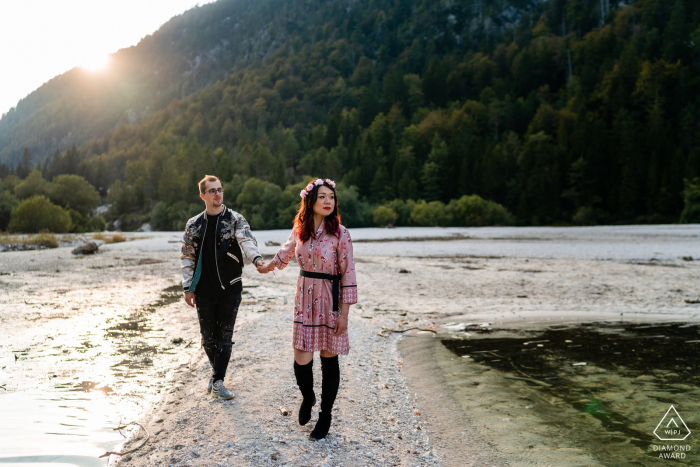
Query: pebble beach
x,y
388,412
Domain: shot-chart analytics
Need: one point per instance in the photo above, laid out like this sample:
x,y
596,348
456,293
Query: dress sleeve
x,y
346,267
286,253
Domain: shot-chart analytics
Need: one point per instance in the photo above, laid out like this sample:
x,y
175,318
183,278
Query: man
x,y
213,249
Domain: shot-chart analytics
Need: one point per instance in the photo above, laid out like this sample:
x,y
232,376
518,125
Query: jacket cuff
x,y
255,260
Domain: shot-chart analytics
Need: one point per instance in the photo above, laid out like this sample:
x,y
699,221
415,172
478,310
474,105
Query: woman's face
x,y
325,203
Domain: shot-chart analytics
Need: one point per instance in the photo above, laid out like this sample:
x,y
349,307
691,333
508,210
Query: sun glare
x,y
96,63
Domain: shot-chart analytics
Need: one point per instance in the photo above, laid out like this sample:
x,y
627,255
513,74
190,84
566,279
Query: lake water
x,y
582,394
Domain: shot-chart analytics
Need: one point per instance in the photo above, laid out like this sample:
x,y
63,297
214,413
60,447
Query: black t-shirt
x,y
209,284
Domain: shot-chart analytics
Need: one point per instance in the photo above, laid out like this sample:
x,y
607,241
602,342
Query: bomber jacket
x,y
230,225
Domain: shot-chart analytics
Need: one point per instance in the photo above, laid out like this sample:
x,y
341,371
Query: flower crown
x,y
311,185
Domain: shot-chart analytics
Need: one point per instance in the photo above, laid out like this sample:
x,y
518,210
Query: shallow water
x,y
584,394
82,383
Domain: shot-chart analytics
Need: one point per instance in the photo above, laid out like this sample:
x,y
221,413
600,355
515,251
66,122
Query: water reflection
x,y
67,391
598,389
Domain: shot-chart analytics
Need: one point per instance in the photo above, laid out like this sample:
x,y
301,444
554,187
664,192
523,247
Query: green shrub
x,y
353,212
131,221
289,205
259,201
585,215
8,202
159,216
77,221
38,213
403,210
691,197
178,214
474,211
74,192
34,184
430,214
384,216
96,224
9,183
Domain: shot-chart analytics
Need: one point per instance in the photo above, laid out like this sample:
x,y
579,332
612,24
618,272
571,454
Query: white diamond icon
x,y
672,427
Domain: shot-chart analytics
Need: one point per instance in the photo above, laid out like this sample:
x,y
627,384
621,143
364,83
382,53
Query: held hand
x,y
261,267
189,298
341,324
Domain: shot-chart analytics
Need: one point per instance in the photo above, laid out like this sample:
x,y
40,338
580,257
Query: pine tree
x,y
24,167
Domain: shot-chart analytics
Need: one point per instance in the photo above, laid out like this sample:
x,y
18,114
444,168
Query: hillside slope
x,y
562,111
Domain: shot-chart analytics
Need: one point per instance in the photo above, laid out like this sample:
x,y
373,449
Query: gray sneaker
x,y
220,391
210,384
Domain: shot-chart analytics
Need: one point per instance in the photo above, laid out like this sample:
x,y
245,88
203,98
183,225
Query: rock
x,y
144,261
283,410
378,439
271,243
229,445
87,248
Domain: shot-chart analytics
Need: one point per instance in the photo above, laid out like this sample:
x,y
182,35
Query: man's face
x,y
217,198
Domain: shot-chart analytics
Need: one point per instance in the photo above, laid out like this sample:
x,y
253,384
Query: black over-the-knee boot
x,y
329,387
305,381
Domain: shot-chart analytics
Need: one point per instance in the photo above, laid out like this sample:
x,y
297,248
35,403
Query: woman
x,y
325,290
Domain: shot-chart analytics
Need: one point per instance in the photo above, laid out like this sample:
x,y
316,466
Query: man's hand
x,y
189,298
261,266
341,324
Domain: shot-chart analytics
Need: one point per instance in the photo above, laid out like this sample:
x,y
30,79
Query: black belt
x,y
329,277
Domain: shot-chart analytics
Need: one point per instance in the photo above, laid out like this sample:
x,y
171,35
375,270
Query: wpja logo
x,y
672,428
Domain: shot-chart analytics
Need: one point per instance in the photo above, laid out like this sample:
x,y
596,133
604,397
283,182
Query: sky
x,y
40,39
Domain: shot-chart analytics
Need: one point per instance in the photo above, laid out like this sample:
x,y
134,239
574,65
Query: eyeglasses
x,y
213,191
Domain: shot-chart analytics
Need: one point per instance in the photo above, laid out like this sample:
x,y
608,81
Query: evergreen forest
x,y
442,112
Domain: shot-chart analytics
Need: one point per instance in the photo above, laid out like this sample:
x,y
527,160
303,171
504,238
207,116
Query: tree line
x,y
567,113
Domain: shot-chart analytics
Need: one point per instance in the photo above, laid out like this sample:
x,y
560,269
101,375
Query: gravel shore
x,y
117,319
377,419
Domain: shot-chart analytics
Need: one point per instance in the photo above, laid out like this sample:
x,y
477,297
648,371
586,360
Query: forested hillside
x,y
562,111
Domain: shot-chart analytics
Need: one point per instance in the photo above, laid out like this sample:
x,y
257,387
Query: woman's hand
x,y
271,266
341,325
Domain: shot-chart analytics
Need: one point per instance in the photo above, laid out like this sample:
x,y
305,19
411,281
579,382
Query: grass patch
x,y
114,238
40,240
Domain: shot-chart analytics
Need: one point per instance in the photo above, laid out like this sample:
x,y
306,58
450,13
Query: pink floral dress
x,y
314,318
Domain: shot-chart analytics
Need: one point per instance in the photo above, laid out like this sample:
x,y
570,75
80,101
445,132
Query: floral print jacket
x,y
234,240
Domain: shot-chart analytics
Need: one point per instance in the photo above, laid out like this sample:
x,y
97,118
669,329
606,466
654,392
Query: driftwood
x,y
107,454
386,332
87,248
527,377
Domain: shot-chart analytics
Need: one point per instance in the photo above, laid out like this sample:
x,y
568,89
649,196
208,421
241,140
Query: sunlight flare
x,y
95,63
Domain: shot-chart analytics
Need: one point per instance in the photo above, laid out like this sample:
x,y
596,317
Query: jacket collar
x,y
222,211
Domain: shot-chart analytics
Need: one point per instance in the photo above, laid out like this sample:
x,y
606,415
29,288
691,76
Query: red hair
x,y
304,220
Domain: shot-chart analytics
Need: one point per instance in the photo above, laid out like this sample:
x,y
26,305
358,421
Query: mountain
x,y
561,110
191,52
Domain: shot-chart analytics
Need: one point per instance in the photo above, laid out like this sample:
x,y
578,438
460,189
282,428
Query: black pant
x,y
217,316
